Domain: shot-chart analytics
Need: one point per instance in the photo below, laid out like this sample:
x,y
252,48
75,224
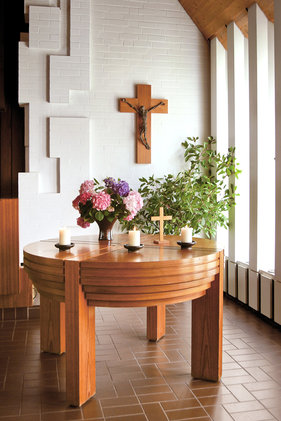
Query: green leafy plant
x,y
199,196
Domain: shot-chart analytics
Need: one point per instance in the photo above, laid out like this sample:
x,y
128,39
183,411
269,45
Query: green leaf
x,y
99,216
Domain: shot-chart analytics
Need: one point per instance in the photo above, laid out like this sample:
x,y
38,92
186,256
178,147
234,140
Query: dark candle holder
x,y
133,248
63,247
186,245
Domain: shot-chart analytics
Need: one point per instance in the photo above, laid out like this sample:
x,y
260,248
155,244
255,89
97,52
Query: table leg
x,y
80,339
156,322
52,325
206,355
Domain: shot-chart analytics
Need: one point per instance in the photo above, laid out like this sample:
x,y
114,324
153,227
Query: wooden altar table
x,y
104,274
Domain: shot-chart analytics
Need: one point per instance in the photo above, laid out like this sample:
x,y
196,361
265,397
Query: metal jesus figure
x,y
142,112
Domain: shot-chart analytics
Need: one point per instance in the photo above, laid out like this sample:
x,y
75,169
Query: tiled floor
x,y
142,381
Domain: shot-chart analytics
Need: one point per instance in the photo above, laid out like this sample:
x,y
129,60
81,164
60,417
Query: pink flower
x,y
75,202
82,222
87,187
101,201
133,202
130,217
84,197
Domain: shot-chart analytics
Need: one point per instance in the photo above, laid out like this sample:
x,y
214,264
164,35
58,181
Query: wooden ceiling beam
x,y
213,16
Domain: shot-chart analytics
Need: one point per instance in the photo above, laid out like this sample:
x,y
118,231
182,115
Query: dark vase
x,y
106,229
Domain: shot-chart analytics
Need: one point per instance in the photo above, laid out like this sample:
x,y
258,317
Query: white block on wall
x,y
242,282
73,72
28,3
44,27
69,141
254,290
266,295
232,279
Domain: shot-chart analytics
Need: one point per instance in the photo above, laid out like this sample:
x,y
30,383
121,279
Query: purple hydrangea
x,y
109,182
122,188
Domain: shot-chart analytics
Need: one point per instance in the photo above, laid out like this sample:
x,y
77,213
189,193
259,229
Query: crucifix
x,y
161,218
143,105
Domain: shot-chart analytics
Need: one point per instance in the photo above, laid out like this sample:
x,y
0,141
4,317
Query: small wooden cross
x,y
143,103
161,218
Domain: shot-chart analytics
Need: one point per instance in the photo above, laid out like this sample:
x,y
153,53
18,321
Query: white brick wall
x,y
73,72
41,214
28,3
44,27
112,46
153,42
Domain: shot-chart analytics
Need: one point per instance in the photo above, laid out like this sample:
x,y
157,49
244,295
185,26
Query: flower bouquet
x,y
105,204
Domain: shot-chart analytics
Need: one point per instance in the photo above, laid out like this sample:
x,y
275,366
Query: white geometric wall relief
x,y
73,72
41,214
28,3
44,27
69,141
32,75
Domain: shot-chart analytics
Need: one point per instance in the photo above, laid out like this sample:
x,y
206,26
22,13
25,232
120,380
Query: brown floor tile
x,y
253,416
156,397
151,371
181,404
182,414
148,382
258,374
92,409
126,400
182,391
123,388
147,390
243,406
195,384
154,412
22,418
262,386
267,393
276,412
210,391
7,411
128,418
271,402
217,400
139,380
174,355
152,360
122,410
241,393
237,380
30,406
218,413
62,416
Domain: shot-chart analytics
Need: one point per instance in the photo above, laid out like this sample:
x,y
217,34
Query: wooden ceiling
x,y
213,16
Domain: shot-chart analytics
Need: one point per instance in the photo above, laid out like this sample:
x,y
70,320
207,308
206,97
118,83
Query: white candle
x,y
186,235
134,237
64,236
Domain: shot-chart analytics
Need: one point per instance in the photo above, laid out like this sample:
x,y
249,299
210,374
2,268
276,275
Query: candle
x,y
64,236
134,238
186,235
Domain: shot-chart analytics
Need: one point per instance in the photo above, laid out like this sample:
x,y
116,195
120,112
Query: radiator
x,y
258,290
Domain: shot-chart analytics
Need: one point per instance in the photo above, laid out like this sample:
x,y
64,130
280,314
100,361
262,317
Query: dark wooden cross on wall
x,y
143,105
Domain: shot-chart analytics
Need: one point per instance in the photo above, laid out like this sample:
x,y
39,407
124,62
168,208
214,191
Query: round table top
x,y
89,248
112,276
